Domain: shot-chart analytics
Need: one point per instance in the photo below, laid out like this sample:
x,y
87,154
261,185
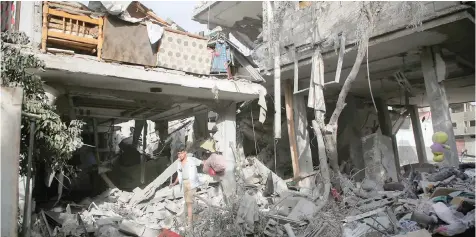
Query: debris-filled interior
x,y
283,119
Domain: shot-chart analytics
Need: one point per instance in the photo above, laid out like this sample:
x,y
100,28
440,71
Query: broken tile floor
x,y
427,202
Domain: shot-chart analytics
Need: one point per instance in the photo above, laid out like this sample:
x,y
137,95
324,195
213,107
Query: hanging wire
x,y
368,78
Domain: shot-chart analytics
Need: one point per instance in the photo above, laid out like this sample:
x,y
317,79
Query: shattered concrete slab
x,y
379,159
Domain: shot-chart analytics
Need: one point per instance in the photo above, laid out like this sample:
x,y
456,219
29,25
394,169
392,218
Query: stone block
x,y
304,209
379,158
124,197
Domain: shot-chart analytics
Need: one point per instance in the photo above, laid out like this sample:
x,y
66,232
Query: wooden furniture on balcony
x,y
70,31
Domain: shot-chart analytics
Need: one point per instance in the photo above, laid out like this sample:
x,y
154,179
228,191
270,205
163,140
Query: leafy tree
x,y
55,141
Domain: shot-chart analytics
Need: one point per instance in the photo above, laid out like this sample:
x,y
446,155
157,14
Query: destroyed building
x,y
109,63
395,72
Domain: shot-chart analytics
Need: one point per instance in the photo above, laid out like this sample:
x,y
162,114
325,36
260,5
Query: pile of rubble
x,y
428,200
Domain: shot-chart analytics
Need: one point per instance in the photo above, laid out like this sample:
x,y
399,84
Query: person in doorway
x,y
188,178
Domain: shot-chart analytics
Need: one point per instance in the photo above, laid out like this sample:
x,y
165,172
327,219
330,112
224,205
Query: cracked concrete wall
x,y
379,158
331,18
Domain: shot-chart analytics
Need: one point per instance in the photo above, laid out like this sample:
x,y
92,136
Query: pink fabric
x,y
216,162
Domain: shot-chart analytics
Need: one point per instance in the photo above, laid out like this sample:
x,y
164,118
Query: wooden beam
x,y
74,17
73,44
288,97
72,37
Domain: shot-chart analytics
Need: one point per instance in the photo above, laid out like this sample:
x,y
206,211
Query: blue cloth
x,y
218,64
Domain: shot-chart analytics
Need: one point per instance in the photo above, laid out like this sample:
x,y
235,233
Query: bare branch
x,y
348,82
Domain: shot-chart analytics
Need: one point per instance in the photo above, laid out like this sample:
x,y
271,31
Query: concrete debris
x,y
445,206
247,214
428,201
273,229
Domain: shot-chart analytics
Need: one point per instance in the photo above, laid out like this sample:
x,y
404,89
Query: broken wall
x,y
332,18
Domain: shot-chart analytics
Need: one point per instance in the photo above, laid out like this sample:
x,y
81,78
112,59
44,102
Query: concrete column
x,y
418,134
138,126
302,139
200,126
386,128
163,127
226,135
351,137
434,73
11,101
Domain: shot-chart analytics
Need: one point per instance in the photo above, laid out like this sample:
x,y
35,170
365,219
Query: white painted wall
x,y
31,20
11,102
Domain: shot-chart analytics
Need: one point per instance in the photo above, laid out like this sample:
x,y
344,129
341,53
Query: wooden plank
x,y
127,42
72,37
73,44
150,13
288,98
61,51
75,17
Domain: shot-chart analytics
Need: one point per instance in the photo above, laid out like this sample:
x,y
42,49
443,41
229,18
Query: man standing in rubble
x,y
214,164
188,177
